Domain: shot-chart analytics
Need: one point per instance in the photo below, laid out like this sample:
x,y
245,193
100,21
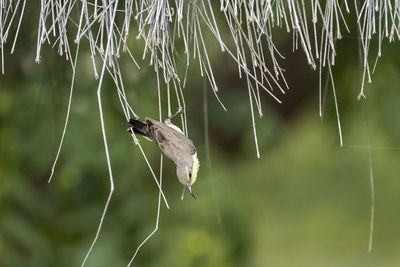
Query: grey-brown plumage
x,y
174,145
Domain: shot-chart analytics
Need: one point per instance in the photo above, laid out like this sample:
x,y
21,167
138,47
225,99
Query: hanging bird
x,y
173,144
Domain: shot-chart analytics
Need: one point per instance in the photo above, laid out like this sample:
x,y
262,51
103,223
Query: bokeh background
x,y
305,202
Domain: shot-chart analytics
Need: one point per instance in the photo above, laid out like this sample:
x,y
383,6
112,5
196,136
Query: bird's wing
x,y
172,143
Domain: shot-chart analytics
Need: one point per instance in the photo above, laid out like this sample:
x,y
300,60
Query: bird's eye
x,y
190,175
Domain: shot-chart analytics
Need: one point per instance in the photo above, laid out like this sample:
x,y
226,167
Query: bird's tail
x,y
138,127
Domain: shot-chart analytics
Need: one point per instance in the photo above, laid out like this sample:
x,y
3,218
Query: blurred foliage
x,y
305,202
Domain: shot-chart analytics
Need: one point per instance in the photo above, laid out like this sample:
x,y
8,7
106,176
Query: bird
x,y
173,144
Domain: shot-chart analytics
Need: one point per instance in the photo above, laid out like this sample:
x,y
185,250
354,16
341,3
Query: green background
x,y
305,202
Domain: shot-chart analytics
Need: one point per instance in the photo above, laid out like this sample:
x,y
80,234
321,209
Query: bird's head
x,y
187,172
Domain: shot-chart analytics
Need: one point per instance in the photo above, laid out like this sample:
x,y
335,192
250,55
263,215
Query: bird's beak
x,y
190,191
